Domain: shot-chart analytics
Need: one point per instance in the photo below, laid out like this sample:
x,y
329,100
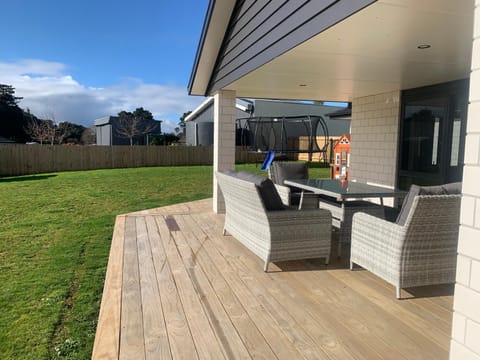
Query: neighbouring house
x,y
410,69
107,131
199,124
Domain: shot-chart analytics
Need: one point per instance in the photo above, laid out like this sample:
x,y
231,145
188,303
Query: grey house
x,y
199,124
106,130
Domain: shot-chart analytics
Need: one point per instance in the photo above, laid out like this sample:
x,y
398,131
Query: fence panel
x,y
21,159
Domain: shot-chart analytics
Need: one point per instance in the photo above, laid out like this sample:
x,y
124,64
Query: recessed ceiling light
x,y
424,46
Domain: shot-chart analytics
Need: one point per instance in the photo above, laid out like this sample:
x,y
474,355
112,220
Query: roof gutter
x,y
203,35
211,39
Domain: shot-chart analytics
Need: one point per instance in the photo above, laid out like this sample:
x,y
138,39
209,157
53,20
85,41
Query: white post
x,y
465,342
224,115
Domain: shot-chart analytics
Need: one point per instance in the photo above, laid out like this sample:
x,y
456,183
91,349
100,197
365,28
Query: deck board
x,y
177,288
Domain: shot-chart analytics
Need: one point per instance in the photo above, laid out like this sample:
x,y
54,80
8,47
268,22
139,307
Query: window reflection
x,y
422,131
456,132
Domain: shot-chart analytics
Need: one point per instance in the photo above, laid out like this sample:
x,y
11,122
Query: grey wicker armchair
x,y
420,249
280,171
256,217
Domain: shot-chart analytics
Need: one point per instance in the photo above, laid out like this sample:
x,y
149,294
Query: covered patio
x,y
177,288
411,71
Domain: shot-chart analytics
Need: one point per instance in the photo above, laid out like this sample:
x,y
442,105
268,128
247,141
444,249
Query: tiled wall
x,y
224,113
374,133
465,342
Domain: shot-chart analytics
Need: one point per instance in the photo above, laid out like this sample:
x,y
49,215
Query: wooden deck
x,y
176,288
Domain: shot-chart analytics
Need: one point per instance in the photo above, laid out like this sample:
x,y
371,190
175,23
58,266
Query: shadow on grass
x,y
26,178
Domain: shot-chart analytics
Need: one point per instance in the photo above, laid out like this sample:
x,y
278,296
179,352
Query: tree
x,y
69,132
138,123
143,114
7,96
13,120
42,131
88,136
164,139
181,123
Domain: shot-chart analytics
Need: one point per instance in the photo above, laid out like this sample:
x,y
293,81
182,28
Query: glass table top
x,y
343,189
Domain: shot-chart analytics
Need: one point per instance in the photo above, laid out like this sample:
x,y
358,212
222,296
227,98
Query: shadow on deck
x,y
177,288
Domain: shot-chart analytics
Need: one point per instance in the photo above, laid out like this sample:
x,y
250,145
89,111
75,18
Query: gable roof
x,y
338,53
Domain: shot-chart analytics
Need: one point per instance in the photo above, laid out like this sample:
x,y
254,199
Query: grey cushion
x,y
268,192
452,188
445,189
281,171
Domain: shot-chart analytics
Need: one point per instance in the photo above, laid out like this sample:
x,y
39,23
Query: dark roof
x,y
345,113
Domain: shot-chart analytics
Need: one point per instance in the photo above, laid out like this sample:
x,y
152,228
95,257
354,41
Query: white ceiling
x,y
372,52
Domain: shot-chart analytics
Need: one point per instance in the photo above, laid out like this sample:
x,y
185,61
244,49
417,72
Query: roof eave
x,y
214,28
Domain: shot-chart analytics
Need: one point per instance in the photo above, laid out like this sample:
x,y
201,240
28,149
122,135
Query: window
x,y
432,134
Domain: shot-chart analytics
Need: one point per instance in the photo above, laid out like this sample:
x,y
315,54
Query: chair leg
x,y
327,260
265,268
398,292
351,265
224,231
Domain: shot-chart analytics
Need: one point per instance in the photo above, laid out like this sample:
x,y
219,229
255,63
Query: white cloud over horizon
x,y
48,89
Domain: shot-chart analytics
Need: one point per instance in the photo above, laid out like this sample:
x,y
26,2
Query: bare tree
x,y
42,131
131,125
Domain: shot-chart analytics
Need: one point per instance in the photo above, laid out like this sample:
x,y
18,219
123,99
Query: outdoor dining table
x,y
341,191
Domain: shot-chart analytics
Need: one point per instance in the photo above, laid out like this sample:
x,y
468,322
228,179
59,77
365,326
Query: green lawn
x,y
55,232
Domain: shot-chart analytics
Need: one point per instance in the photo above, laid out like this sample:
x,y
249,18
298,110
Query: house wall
x,y
199,131
466,318
103,134
374,134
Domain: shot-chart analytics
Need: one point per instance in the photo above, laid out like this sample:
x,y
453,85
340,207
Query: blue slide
x,y
268,160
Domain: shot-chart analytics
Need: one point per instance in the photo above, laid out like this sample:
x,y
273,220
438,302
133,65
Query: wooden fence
x,y
20,159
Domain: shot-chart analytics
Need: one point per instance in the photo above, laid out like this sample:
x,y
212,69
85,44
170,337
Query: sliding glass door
x,y
432,134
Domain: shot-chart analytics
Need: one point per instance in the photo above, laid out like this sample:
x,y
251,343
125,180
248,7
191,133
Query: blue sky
x,y
80,60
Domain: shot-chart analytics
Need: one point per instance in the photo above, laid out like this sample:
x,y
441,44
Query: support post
x,y
224,115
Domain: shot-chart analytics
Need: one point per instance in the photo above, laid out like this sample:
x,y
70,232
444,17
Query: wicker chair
x,y
422,251
273,235
342,215
280,171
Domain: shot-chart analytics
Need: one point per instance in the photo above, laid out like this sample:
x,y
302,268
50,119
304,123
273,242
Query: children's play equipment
x,y
341,159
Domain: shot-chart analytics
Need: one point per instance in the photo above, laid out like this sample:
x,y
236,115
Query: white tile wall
x,y
374,132
465,342
224,113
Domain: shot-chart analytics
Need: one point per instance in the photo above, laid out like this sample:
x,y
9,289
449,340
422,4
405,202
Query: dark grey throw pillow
x,y
453,188
268,192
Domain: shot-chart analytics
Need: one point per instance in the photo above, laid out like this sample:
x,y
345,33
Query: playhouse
x,y
341,158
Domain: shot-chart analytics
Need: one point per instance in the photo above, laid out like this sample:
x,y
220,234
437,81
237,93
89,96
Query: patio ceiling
x,y
373,51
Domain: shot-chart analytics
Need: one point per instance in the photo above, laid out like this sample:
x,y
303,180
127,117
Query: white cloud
x,y
47,88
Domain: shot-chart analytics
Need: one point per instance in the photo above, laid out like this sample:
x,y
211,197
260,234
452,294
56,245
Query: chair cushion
x,y
281,171
268,192
445,189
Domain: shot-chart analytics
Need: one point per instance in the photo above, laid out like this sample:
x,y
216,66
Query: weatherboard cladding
x,y
261,30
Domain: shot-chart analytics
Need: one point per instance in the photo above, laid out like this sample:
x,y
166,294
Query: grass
x,y
55,233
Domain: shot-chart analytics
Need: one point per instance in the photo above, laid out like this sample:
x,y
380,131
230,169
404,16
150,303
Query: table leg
x,y
301,200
